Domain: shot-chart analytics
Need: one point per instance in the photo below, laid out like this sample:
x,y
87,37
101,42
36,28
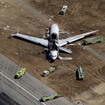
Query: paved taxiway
x,y
37,13
101,57
26,90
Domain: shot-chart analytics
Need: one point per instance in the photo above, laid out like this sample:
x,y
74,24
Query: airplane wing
x,y
36,40
65,50
74,38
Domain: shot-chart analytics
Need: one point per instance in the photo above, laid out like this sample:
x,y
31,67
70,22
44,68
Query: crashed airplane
x,y
53,43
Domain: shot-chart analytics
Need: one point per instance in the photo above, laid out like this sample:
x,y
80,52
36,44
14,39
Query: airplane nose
x,y
53,55
53,58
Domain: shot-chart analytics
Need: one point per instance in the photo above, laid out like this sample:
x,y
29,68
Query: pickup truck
x,y
48,71
63,10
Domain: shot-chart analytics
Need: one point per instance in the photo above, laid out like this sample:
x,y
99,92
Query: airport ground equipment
x,y
80,73
50,96
92,40
48,71
20,73
63,10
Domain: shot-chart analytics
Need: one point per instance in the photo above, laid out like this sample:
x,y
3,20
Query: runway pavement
x,y
24,91
37,13
101,57
92,51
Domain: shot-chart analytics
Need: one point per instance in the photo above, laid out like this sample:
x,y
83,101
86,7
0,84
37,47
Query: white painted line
x,y
21,87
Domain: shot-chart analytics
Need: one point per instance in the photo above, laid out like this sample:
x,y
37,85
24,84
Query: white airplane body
x,y
53,43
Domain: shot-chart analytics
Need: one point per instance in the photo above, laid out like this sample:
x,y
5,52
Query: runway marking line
x,y
21,87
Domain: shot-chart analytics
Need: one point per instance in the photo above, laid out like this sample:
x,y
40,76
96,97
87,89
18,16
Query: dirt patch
x,y
100,89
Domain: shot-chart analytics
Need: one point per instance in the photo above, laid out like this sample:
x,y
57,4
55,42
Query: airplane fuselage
x,y
53,41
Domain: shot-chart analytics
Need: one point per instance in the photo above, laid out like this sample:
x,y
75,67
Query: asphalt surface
x,y
6,100
92,51
95,53
32,10
24,91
